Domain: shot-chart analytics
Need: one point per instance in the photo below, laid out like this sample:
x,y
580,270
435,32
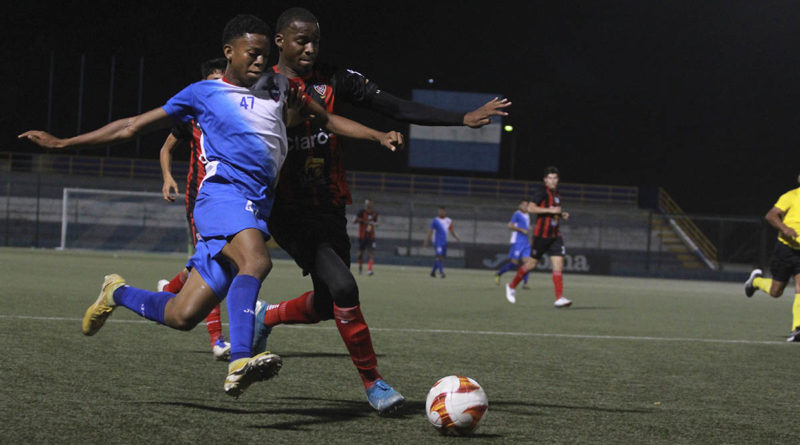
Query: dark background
x,y
699,97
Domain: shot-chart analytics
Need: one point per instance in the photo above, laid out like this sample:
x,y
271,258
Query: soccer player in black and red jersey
x,y
546,205
308,218
190,133
367,219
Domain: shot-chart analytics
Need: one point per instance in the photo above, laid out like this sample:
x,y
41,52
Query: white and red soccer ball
x,y
455,405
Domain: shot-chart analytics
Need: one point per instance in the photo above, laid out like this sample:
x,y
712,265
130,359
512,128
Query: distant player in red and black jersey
x,y
546,205
367,219
308,218
180,135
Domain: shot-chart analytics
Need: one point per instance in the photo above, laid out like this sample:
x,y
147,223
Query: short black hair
x,y
209,66
244,24
549,170
292,15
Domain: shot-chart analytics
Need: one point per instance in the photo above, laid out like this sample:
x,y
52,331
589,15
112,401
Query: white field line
x,y
464,332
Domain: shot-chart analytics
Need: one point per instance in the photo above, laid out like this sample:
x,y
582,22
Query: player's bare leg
x,y
249,254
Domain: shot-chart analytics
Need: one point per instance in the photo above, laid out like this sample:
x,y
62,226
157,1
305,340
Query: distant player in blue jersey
x,y
440,226
243,117
520,243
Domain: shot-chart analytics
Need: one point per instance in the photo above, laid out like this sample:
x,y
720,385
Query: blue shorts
x,y
519,251
441,249
221,213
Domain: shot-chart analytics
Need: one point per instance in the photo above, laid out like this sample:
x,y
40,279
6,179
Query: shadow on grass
x,y
513,407
335,411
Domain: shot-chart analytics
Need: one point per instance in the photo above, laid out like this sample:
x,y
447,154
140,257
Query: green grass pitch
x,y
633,361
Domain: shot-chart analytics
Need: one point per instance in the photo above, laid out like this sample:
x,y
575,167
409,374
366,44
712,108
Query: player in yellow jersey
x,y
784,216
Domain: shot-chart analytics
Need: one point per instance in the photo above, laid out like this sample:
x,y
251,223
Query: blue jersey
x,y
440,228
523,221
243,133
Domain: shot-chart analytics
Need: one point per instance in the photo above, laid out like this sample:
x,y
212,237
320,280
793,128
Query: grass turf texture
x,y
633,361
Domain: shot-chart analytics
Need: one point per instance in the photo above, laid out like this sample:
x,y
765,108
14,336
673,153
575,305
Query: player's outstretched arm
x,y
420,114
118,131
483,115
170,188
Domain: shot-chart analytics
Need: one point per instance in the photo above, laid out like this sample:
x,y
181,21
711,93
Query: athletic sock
x,y
369,265
360,265
355,333
518,277
298,310
762,283
558,283
175,284
242,296
525,278
214,325
506,268
436,265
796,312
147,304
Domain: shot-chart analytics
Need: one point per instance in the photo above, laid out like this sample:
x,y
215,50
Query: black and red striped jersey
x,y
313,173
366,223
546,223
191,133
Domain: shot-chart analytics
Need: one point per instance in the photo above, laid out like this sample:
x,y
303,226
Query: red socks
x,y
355,333
518,277
369,265
558,283
176,284
214,325
298,310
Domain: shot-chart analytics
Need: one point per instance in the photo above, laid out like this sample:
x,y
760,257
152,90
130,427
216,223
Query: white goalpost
x,y
121,220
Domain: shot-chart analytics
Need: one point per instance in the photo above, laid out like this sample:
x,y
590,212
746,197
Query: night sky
x,y
699,97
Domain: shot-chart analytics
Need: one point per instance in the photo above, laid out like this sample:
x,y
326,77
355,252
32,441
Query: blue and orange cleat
x,y
260,330
384,398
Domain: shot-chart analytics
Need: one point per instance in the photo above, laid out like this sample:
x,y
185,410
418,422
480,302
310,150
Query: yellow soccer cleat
x,y
244,372
96,315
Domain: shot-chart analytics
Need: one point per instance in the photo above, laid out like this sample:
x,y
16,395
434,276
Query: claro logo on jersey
x,y
306,142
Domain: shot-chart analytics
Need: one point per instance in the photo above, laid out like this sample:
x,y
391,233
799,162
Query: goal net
x,y
122,220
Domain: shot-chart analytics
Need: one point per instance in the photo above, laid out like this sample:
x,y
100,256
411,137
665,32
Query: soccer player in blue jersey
x,y
520,244
243,117
440,226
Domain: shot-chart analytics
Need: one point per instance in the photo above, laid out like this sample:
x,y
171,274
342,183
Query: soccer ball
x,y
455,405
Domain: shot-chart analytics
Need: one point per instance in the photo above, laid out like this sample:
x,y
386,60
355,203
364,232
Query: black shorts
x,y
550,246
301,231
366,244
785,262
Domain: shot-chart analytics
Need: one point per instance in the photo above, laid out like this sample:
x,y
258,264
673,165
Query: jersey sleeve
x,y
515,219
181,107
355,88
784,202
538,196
433,223
271,85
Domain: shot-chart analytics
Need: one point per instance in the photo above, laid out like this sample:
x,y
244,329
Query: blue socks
x,y
506,268
148,304
241,302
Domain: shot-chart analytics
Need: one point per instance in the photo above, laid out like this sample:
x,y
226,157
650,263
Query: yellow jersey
x,y
789,203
